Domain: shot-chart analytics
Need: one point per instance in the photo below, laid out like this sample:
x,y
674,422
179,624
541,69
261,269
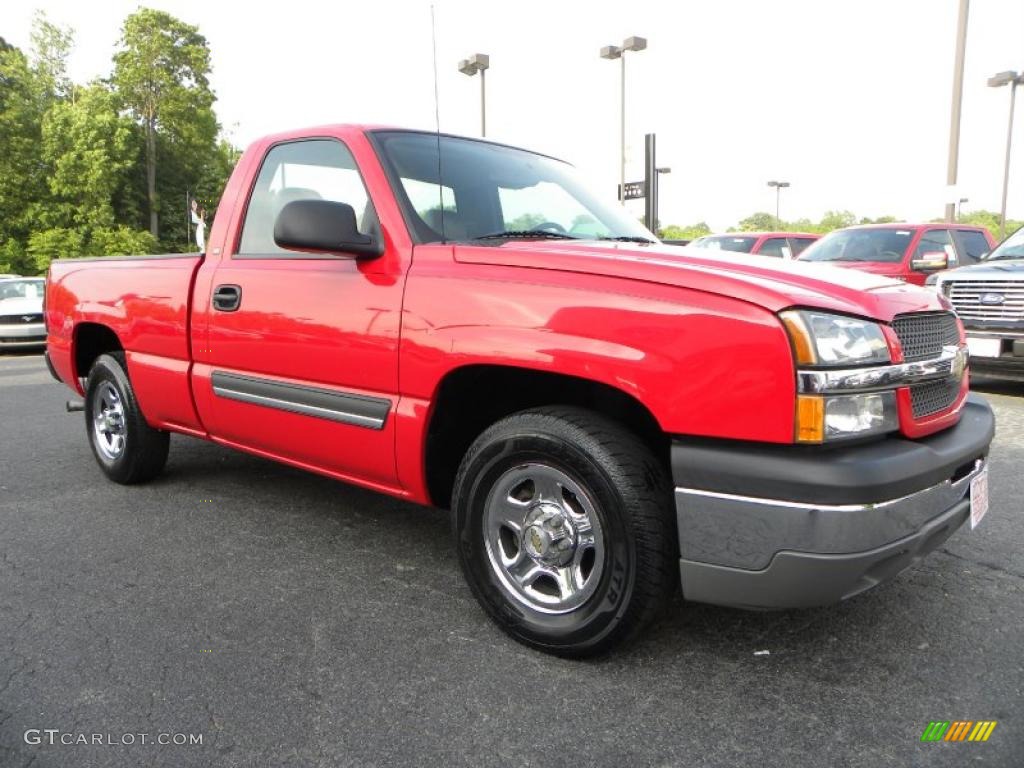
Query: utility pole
x,y
651,182
954,119
1011,79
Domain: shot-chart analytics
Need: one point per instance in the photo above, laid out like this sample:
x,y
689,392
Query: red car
x,y
907,252
783,245
460,323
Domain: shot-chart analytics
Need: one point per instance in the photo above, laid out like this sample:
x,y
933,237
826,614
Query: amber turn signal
x,y
810,419
803,344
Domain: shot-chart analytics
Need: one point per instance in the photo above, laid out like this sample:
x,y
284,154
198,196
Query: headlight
x,y
821,418
834,340
826,340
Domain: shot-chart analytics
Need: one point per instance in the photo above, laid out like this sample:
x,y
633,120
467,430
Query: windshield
x,y
878,245
727,243
21,289
480,189
1011,248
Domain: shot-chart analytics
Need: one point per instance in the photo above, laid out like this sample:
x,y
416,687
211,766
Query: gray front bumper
x,y
834,552
776,526
22,335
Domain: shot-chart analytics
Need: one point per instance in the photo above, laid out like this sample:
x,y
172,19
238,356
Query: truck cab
x,y
906,252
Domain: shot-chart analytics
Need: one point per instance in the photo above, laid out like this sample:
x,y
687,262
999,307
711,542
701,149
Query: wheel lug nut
x,y
556,522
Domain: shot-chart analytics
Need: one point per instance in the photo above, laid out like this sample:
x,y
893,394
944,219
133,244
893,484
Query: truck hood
x,y
1001,269
21,306
874,267
773,284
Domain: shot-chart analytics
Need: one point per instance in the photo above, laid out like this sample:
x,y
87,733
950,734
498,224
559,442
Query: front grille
x,y
923,335
967,296
933,396
24,319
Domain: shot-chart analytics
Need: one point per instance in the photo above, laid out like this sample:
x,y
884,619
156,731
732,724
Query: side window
x,y
316,169
971,245
799,244
775,246
428,199
936,241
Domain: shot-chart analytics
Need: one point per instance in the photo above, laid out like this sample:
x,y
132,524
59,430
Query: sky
x,y
848,100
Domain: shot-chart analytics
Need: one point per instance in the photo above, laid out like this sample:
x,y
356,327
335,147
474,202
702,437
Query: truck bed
x,y
145,301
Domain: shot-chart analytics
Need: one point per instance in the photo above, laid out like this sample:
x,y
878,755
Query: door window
x,y
799,244
971,244
317,169
936,241
775,246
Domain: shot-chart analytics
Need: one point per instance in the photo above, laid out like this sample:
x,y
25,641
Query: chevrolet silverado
x,y
463,324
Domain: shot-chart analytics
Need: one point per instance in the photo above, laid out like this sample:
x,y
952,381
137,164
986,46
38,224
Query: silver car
x,y
21,313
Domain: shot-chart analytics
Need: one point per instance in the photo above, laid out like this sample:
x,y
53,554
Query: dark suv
x,y
989,297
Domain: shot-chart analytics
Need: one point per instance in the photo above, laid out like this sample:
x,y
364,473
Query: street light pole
x,y
619,52
779,186
478,62
1011,79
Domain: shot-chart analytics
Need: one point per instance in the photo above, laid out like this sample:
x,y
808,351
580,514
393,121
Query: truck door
x,y
302,362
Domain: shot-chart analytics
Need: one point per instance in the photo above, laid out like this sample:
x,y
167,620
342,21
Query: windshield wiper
x,y
525,234
629,239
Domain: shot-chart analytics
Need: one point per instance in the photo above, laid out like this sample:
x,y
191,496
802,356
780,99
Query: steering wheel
x,y
548,226
895,256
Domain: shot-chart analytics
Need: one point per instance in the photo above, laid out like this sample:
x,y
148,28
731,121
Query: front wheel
x,y
563,522
127,449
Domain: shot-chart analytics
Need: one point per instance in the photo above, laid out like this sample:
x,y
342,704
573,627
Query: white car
x,y
21,313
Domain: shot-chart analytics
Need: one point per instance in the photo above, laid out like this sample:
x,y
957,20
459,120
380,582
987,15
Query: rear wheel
x,y
564,528
127,449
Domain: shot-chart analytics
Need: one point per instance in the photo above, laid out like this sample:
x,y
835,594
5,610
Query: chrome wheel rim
x,y
544,538
108,421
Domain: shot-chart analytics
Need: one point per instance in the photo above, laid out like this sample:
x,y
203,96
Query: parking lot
x,y
295,621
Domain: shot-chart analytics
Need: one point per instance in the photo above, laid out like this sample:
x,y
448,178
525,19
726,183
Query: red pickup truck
x,y
461,323
908,252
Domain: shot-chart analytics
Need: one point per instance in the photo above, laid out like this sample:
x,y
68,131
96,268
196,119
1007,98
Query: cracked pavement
x,y
296,621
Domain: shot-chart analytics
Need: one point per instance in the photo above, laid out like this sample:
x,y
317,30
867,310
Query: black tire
x,y
143,451
629,492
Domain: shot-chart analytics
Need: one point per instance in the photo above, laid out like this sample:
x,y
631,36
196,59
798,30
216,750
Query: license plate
x,y
984,347
979,497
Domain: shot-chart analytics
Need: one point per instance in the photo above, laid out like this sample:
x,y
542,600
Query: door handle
x,y
227,298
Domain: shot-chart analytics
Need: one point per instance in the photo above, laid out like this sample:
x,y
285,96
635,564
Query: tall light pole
x,y
779,186
478,62
619,52
1011,79
954,112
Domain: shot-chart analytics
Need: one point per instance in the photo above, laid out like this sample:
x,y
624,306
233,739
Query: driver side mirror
x,y
931,262
323,226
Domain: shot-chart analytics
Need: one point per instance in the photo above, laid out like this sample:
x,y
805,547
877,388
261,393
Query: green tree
x,y
57,243
758,222
120,241
990,220
21,179
51,45
161,74
91,151
691,232
836,220
525,221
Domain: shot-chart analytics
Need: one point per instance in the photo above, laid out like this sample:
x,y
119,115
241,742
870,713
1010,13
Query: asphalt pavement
x,y
288,620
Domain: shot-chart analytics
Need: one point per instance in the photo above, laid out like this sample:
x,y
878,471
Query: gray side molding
x,y
343,407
